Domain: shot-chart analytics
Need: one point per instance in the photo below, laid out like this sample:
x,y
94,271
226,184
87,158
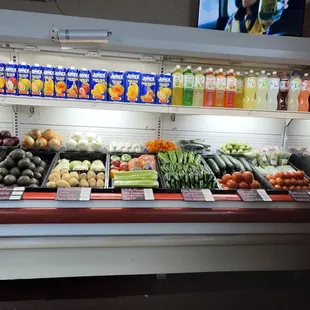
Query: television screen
x,y
268,17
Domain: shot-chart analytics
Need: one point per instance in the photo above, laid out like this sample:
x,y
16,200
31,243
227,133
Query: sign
x,y
137,194
11,193
300,196
197,195
252,195
73,193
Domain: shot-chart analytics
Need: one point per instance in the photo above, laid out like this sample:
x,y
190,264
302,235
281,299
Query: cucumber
x,y
214,167
219,161
229,165
246,165
235,162
242,168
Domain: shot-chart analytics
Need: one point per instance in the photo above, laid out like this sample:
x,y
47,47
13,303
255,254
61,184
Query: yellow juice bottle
x,y
239,91
250,91
177,86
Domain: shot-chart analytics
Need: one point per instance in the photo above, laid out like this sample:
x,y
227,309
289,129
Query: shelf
x,y
148,108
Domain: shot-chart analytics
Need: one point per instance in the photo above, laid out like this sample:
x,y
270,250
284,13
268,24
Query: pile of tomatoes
x,y
239,180
289,181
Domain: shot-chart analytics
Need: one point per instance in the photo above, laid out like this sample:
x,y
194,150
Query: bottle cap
x,y
199,69
274,72
84,69
72,68
221,70
306,74
231,71
263,71
251,71
178,67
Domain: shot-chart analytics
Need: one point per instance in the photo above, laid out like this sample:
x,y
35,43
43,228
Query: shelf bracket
x,y
172,117
288,122
159,129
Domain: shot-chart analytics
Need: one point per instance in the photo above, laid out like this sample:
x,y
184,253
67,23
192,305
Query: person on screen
x,y
247,20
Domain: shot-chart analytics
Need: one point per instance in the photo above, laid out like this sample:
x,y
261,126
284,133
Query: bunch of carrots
x,y
160,146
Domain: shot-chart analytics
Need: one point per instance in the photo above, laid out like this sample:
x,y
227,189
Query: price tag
x,y
73,193
252,195
197,195
11,193
301,196
137,194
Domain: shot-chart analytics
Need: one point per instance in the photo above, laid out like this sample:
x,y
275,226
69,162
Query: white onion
x,y
77,136
83,145
90,137
96,145
71,144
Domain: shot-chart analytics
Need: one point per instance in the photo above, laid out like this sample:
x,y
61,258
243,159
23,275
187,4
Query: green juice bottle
x,y
188,86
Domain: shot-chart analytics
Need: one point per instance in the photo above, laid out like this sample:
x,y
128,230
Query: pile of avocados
x,y
21,168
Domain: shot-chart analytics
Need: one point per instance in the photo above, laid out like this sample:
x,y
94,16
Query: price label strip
x,y
300,196
11,193
137,194
252,195
73,193
197,195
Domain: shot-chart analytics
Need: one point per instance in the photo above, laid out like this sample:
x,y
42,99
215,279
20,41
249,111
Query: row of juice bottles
x,y
249,91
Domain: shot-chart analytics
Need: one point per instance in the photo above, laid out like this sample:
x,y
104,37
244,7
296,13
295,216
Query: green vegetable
x,y
214,167
235,162
228,163
242,168
126,157
245,164
179,154
172,156
164,157
137,174
136,183
115,157
198,159
185,157
221,164
191,158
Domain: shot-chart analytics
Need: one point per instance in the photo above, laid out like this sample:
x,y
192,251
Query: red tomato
x,y
231,184
281,175
293,182
243,185
292,188
280,181
248,177
278,187
306,181
294,176
273,182
285,188
300,174
237,177
287,182
299,188
255,185
268,177
275,175
305,187
300,182
287,175
226,178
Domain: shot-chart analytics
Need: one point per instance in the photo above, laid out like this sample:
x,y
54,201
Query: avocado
x,y
34,181
32,166
4,172
29,155
24,163
9,163
36,160
33,186
9,180
43,164
23,181
28,173
17,154
38,176
15,171
39,169
1,178
1,185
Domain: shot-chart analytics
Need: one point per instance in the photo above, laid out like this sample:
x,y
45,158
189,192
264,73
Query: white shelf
x,y
148,108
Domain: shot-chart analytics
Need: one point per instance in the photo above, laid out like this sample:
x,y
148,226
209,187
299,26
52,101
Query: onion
x,y
8,142
83,145
5,134
71,144
49,134
35,133
16,140
90,137
41,143
28,141
54,144
96,145
77,136
59,138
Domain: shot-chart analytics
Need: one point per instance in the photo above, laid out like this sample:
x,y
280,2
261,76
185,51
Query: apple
x,y
115,163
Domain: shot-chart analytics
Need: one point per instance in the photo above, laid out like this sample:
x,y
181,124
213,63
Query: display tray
x,y
90,156
134,155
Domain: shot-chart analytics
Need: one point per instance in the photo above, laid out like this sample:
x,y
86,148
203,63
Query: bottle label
x,y
178,80
199,81
231,83
189,81
274,83
262,83
210,83
284,85
251,82
239,88
304,85
295,84
220,83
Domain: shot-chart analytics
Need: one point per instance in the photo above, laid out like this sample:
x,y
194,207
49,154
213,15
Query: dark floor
x,y
248,290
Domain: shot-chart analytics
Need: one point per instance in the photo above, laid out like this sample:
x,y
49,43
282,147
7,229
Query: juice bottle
x,y
273,91
36,80
284,87
177,86
199,83
48,81
250,91
163,88
262,90
239,91
209,96
230,95
293,93
60,82
220,89
188,86
303,99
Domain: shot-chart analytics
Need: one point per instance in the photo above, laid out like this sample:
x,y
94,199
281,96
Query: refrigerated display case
x,y
43,237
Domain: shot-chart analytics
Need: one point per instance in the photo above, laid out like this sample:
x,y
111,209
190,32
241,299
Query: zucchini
x,y
219,161
235,162
242,168
214,167
246,165
229,165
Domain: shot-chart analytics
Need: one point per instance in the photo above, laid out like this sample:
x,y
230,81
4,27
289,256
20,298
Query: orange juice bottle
x,y
220,89
239,91
230,94
303,99
209,96
177,86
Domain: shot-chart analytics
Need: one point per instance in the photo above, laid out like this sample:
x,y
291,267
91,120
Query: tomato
x,y
243,185
305,187
268,177
281,175
278,187
300,174
293,175
248,177
275,175
285,188
306,181
226,178
232,184
237,177
293,182
225,188
300,182
292,188
280,181
273,182
287,182
287,175
299,188
255,185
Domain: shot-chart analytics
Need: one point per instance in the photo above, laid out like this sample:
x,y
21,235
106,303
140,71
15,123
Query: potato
x,y
66,176
51,184
56,171
64,171
73,182
100,176
92,182
74,175
62,183
91,175
83,176
54,177
84,183
100,183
